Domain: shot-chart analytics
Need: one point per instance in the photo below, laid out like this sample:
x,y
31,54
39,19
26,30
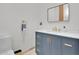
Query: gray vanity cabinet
x,y
47,44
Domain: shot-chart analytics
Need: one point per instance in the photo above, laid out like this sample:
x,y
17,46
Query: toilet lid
x,y
9,52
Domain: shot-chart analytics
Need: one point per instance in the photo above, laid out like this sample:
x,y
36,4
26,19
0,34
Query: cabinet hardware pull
x,y
67,45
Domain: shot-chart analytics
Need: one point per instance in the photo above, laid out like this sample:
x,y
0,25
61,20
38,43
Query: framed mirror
x,y
58,13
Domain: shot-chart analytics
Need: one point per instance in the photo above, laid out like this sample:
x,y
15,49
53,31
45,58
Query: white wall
x,y
71,26
11,16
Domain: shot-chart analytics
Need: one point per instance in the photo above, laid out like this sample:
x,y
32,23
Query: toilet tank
x,y
5,42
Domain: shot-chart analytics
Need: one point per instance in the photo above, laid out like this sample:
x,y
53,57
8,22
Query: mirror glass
x,y
58,13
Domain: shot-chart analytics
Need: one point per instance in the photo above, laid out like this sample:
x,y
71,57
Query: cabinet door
x,y
42,44
56,45
70,46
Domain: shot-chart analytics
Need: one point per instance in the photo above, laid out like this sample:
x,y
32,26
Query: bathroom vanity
x,y
56,43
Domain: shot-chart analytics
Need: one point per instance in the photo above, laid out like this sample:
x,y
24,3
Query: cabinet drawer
x,y
69,46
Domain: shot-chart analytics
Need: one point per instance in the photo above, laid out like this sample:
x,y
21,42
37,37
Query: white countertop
x,y
65,34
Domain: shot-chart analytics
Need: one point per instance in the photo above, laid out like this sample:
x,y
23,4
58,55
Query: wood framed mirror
x,y
58,13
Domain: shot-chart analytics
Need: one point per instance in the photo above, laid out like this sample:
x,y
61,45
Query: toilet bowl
x,y
6,44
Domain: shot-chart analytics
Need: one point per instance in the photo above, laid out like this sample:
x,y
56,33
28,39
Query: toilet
x,y
6,44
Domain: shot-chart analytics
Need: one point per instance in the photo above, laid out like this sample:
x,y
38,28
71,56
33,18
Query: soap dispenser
x,y
54,28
